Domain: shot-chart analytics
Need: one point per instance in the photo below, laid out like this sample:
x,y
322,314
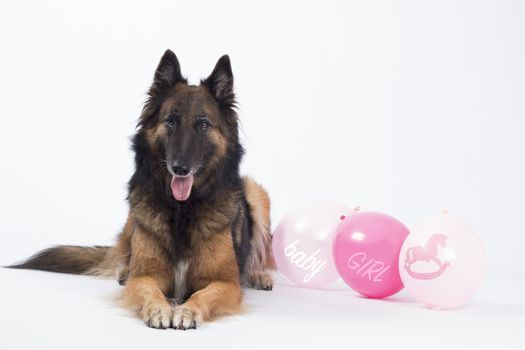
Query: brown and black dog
x,y
196,229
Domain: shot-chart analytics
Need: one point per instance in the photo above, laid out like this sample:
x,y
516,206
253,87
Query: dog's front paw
x,y
185,318
157,315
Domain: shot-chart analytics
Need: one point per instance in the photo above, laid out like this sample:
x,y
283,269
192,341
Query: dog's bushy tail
x,y
96,260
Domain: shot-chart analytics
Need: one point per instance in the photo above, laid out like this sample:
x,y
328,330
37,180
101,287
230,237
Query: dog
x,y
196,231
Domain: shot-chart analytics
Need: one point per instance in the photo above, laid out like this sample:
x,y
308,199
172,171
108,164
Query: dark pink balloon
x,y
366,253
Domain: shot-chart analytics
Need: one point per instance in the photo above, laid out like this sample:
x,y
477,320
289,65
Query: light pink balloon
x,y
366,253
442,262
302,244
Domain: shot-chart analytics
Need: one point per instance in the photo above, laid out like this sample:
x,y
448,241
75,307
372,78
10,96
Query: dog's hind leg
x,y
115,261
259,264
122,252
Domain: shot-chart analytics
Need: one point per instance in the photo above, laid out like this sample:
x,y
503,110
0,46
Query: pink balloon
x,y
302,244
442,263
366,251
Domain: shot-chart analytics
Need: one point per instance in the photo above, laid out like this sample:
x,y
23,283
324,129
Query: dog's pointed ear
x,y
166,76
168,71
220,82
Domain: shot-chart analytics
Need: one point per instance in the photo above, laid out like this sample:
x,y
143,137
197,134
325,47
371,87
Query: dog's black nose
x,y
181,170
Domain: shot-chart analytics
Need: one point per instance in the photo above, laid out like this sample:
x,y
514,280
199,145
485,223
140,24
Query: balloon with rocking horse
x,y
426,253
442,262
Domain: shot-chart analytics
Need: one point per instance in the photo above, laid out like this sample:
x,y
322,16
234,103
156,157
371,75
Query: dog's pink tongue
x,y
181,187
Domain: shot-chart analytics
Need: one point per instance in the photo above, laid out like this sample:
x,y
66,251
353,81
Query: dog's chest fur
x,y
190,225
188,230
180,287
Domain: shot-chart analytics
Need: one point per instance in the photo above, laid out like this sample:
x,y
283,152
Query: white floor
x,y
42,310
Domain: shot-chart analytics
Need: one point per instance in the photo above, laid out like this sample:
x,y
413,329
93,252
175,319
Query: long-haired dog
x,y
196,229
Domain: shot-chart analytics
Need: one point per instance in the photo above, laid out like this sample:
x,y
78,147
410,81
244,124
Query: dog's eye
x,y
170,121
204,125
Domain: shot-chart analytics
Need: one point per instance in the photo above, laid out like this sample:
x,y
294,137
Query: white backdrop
x,y
400,107
403,107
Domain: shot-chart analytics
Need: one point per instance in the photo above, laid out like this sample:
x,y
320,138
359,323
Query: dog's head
x,y
191,130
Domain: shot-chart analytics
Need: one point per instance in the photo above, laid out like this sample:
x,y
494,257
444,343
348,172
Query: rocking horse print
x,y
427,253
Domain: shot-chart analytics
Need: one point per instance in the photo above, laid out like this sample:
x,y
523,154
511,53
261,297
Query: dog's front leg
x,y
149,281
215,278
